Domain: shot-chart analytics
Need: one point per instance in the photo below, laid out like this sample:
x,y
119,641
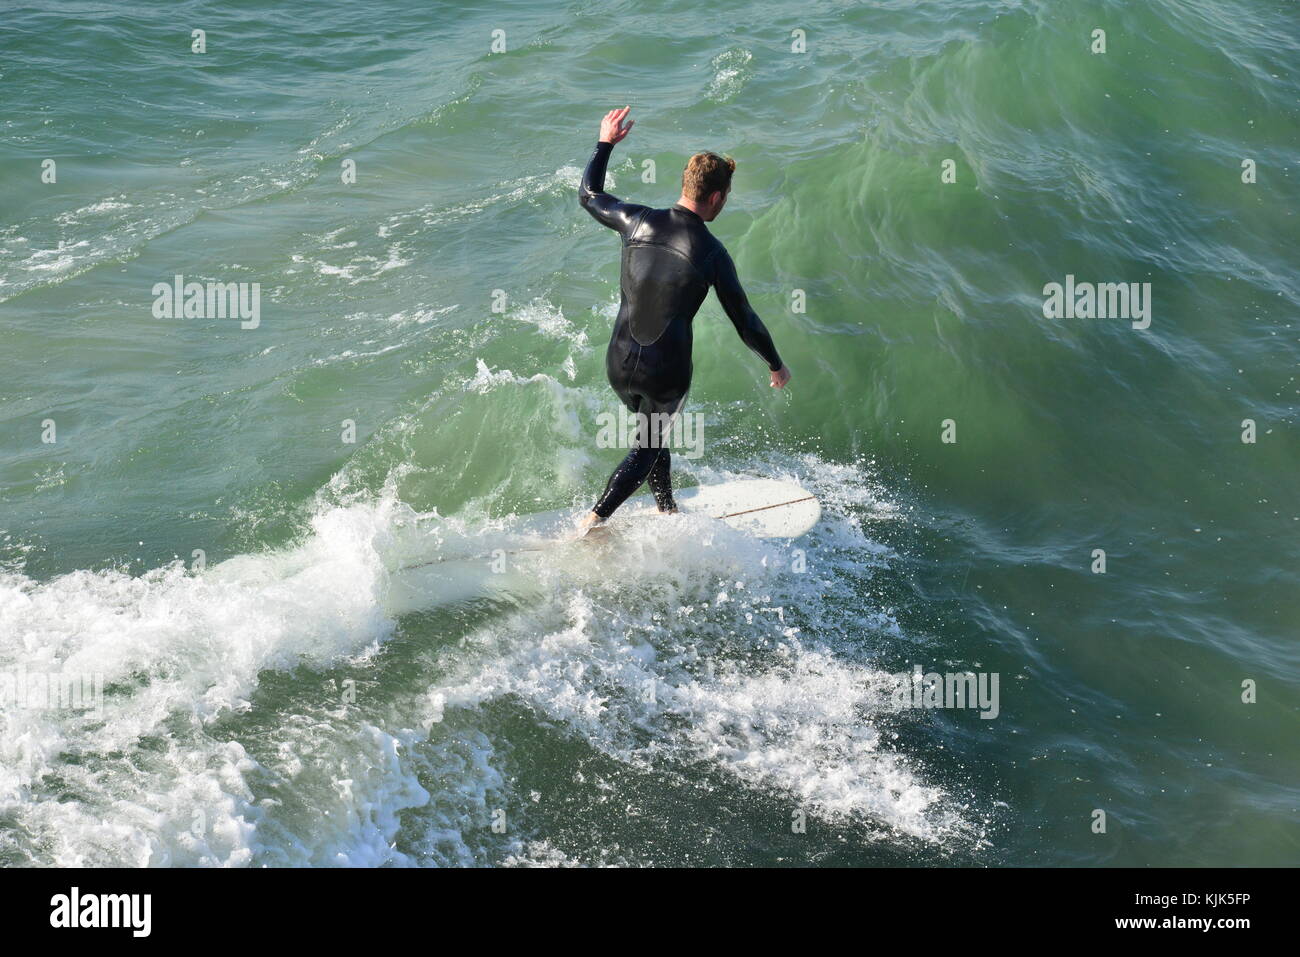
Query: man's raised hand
x,y
612,128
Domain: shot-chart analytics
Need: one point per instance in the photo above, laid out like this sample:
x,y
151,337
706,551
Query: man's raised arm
x,y
606,209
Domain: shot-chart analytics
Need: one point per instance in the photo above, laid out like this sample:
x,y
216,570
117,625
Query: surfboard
x,y
764,508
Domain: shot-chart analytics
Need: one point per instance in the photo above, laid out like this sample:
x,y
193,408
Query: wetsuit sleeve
x,y
605,209
736,304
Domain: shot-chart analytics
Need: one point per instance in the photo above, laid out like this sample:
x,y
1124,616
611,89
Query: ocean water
x,y
183,518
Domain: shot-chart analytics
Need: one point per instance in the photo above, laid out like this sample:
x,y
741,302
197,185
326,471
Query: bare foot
x,y
587,523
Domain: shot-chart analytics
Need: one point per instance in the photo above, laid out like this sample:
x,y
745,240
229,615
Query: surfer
x,y
669,262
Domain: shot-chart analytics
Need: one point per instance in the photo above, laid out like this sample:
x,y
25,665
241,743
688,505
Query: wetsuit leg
x,y
651,448
661,482
652,381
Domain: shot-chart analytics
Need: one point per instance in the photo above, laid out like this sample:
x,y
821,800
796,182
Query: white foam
x,y
549,320
754,675
731,70
177,652
776,710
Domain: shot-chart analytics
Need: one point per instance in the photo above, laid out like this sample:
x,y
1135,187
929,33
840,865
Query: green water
x,y
281,706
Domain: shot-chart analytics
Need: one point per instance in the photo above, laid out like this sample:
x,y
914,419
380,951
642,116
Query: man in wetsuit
x,y
669,262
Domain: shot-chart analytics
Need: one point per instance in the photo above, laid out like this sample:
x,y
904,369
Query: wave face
x,y
243,539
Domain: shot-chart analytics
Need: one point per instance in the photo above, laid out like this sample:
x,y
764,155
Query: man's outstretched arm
x,y
606,209
736,304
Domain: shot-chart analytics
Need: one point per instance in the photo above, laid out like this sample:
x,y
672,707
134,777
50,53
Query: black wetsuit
x,y
670,259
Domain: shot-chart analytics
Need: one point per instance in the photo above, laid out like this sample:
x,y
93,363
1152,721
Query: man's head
x,y
706,181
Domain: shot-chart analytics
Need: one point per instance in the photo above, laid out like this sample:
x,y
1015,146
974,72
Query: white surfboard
x,y
765,508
